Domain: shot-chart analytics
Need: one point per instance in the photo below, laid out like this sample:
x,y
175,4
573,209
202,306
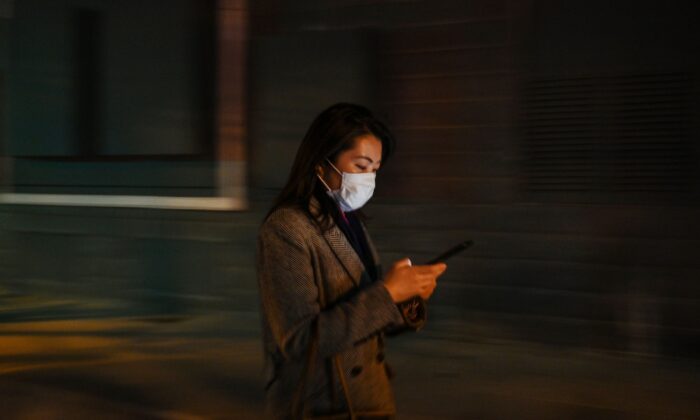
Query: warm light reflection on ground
x,y
173,367
206,365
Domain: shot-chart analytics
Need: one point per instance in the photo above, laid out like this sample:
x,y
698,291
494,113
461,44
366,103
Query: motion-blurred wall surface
x,y
562,137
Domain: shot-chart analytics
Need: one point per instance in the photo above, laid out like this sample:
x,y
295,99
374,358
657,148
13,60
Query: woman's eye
x,y
361,167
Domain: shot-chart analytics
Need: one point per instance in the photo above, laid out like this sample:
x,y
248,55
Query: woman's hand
x,y
404,281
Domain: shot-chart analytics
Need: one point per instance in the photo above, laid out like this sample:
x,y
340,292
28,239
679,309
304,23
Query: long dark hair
x,y
333,131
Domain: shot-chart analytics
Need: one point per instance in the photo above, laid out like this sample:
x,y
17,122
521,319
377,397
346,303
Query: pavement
x,y
95,359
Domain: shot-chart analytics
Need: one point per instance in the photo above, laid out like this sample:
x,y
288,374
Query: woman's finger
x,y
404,262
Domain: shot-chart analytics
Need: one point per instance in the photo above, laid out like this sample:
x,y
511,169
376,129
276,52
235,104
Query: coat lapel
x,y
342,249
345,253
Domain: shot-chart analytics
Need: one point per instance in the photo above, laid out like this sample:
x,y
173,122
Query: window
x,y
125,103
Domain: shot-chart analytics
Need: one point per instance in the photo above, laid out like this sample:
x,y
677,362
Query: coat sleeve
x,y
289,297
414,314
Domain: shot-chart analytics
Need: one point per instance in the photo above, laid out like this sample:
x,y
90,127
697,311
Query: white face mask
x,y
355,189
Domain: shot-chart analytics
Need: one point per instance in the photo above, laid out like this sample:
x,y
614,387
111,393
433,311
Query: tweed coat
x,y
306,277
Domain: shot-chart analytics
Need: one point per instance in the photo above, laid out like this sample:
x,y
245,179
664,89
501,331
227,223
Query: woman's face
x,y
364,156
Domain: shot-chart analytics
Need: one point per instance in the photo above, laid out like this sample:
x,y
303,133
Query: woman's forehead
x,y
368,146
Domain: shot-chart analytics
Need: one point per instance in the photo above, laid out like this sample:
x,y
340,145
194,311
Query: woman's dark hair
x,y
333,131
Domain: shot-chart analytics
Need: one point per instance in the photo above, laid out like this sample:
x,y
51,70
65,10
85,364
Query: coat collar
x,y
343,249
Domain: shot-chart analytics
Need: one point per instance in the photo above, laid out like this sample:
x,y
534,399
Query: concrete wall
x,y
447,76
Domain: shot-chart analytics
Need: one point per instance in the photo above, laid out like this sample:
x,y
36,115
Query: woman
x,y
326,306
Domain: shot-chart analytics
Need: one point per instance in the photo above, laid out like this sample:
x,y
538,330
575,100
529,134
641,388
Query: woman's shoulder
x,y
291,219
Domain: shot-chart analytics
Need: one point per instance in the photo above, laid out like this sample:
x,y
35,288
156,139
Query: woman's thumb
x,y
404,262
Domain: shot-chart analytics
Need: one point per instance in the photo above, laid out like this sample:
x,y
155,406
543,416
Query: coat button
x,y
356,370
380,357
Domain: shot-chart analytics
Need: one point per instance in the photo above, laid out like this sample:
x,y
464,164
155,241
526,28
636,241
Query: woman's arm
x,y
290,298
414,313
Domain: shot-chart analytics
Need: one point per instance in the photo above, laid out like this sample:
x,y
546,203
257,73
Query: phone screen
x,y
451,252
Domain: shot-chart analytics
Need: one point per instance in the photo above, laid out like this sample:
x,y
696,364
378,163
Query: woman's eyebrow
x,y
365,157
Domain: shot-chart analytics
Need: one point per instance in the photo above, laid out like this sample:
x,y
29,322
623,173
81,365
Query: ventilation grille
x,y
609,135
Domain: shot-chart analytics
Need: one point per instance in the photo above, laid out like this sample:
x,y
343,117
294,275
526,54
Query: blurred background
x,y
143,141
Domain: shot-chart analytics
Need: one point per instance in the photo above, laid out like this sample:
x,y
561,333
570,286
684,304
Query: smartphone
x,y
451,252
